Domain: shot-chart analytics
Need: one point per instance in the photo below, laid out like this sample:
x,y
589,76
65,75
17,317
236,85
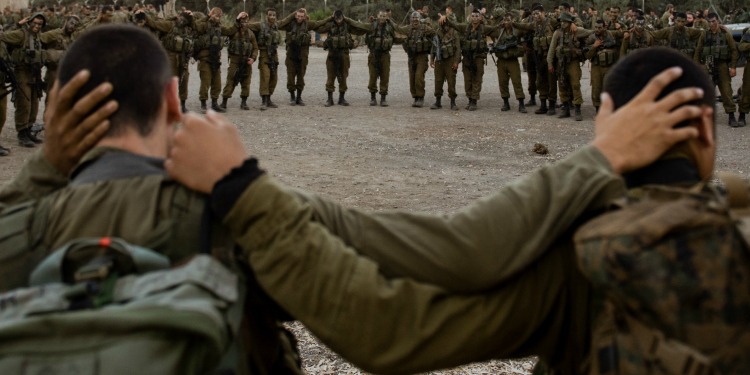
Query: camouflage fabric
x,y
676,271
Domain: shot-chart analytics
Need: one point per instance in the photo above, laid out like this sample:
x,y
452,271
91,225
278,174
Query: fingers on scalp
x,y
659,82
680,97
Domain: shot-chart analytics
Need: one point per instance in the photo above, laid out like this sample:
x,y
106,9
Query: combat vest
x,y
417,41
447,44
542,36
241,45
568,47
269,36
298,35
180,40
474,42
716,45
30,53
606,54
673,265
211,39
380,38
507,46
54,51
339,37
636,42
680,40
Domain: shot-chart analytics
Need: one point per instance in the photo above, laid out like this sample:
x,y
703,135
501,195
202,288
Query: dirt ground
x,y
401,157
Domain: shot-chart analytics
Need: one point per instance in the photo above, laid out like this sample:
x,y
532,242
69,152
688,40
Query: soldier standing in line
x,y
338,43
178,40
444,59
566,46
546,82
60,40
744,47
716,50
268,36
297,26
602,50
417,46
530,58
208,45
507,48
242,53
474,53
27,55
639,38
379,39
679,36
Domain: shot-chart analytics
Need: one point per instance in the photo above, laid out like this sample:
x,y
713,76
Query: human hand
x,y
642,130
455,67
597,43
732,72
432,64
250,61
550,68
71,128
188,162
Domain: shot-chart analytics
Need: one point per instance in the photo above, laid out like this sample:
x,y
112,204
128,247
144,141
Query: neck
x,y
664,172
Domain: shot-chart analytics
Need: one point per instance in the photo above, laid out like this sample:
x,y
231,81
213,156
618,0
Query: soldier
x,y
209,42
474,53
507,48
5,70
241,53
268,36
602,50
60,40
639,38
566,46
614,19
297,26
380,38
716,49
744,47
679,36
444,59
529,57
700,21
338,43
546,83
178,40
119,15
25,46
417,46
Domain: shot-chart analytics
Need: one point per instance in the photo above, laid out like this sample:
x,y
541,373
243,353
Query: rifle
x,y
271,51
10,83
712,70
214,56
562,63
472,65
438,48
185,56
504,47
241,71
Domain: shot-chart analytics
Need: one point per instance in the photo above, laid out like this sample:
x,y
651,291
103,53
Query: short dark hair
x,y
118,54
712,16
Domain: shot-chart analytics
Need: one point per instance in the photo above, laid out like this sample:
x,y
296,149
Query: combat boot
x,y
203,106
532,101
732,121
420,102
269,103
437,104
565,110
373,99
264,103
454,107
215,106
182,106
542,109
23,138
579,116
415,102
299,98
506,105
741,121
342,100
292,98
243,103
521,106
224,101
329,102
383,102
472,104
4,151
551,111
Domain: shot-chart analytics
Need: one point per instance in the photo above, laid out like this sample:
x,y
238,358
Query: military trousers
x,y
210,79
244,81
745,100
570,85
546,83
444,73
269,72
181,71
296,68
508,70
725,87
417,69
28,93
598,73
473,75
379,65
337,66
531,72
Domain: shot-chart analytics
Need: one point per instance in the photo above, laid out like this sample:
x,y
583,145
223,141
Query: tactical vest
x,y
568,47
680,40
474,41
417,41
674,266
299,34
716,45
507,45
542,37
380,39
211,39
339,37
636,42
448,42
179,40
30,53
240,44
606,55
269,36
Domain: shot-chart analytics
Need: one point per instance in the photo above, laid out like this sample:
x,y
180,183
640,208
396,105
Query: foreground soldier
x,y
716,50
533,301
121,189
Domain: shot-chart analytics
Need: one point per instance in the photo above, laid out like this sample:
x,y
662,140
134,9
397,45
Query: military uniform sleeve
x,y
36,179
14,38
552,48
229,30
50,36
744,45
698,49
256,49
523,26
287,20
590,50
360,26
661,34
160,25
354,30
254,26
733,48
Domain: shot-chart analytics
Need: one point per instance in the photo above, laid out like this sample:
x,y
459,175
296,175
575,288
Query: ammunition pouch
x,y
21,56
421,45
300,39
541,44
568,54
474,45
242,49
446,51
380,44
605,57
339,42
719,53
